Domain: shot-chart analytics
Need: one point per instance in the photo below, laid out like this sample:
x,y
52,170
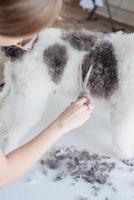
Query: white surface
x,y
96,136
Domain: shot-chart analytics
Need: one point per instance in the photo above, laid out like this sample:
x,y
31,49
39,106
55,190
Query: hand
x,y
75,115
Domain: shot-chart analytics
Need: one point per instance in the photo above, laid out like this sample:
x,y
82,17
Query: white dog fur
x,y
28,84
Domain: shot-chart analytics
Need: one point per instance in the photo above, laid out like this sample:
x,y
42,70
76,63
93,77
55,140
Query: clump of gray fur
x,y
79,164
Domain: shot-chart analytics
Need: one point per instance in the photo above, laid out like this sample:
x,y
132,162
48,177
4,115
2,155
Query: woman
x,y
21,19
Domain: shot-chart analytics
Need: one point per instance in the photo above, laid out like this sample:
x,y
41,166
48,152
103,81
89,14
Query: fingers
x,y
80,101
76,114
84,110
86,102
85,114
90,107
83,100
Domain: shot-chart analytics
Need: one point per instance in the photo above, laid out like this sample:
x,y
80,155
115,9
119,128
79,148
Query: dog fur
x,y
53,64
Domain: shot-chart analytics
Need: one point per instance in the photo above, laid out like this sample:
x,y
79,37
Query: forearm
x,y
23,158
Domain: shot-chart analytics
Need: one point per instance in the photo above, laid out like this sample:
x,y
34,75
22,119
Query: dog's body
x,y
53,64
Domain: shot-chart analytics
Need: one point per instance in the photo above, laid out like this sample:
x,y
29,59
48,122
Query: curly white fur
x,y
28,84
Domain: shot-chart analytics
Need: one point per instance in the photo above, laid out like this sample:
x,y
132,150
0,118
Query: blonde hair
x,y
20,18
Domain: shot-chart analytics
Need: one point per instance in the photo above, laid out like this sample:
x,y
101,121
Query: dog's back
x,y
54,63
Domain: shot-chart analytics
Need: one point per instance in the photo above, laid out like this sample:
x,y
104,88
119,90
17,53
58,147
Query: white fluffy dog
x,y
53,64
